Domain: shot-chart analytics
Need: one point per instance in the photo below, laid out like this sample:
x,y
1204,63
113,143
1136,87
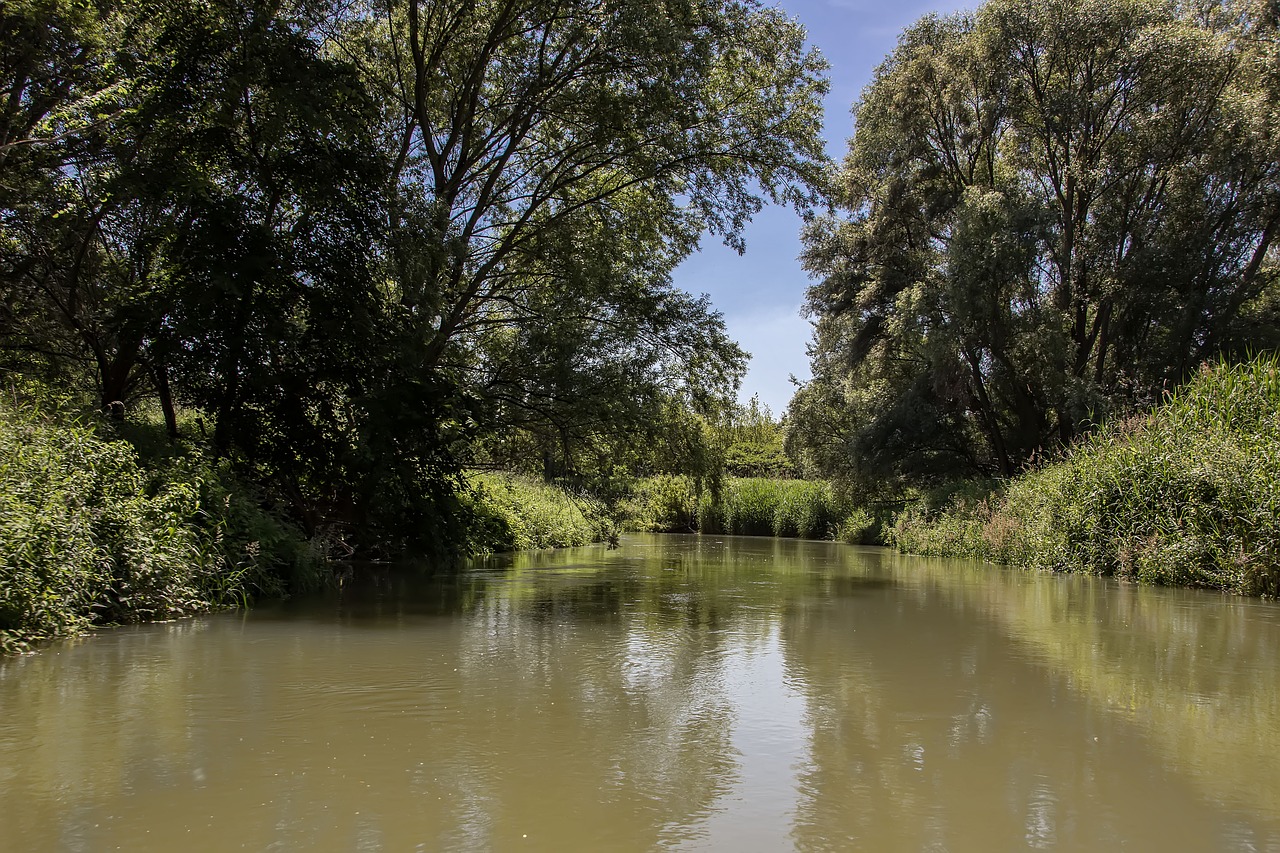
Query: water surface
x,y
681,693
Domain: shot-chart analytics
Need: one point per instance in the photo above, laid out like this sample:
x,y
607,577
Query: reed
x,y
91,535
748,506
517,513
1188,494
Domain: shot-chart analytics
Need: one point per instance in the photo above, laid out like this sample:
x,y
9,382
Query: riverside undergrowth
x,y
1188,494
749,506
92,534
512,512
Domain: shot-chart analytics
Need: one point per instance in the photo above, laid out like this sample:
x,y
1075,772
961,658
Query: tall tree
x,y
361,235
1056,207
552,163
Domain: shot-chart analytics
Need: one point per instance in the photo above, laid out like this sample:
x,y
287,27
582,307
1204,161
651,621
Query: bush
x,y
662,504
860,527
515,513
1188,495
89,536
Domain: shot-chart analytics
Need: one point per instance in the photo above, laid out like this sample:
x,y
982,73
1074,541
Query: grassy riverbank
x,y
104,524
107,524
748,506
93,532
518,513
1187,495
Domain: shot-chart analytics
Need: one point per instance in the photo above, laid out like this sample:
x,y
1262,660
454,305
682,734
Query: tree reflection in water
x,y
679,693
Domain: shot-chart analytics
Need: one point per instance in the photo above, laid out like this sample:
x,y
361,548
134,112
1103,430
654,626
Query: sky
x,y
760,293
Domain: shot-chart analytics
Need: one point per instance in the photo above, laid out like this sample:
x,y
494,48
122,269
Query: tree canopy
x,y
1052,211
365,238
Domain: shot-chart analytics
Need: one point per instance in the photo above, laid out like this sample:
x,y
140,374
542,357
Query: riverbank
x,y
513,512
516,513
1188,495
747,506
104,523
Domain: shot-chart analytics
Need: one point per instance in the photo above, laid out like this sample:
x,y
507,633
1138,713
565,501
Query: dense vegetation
x,y
747,506
395,276
1053,211
92,533
347,253
1189,494
518,513
373,244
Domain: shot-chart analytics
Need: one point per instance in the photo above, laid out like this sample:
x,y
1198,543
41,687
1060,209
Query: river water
x,y
680,693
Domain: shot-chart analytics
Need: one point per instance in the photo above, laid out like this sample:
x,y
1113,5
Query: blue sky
x,y
760,293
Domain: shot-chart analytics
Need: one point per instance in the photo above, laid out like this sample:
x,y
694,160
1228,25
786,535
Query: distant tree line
x,y
368,240
1052,212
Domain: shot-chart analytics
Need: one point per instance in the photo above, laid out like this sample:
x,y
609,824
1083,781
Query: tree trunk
x,y
166,401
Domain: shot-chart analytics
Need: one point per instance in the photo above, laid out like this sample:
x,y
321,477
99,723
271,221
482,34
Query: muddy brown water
x,y
680,693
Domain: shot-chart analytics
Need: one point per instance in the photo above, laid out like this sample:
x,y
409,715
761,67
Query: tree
x,y
552,163
362,236
1055,209
754,442
61,93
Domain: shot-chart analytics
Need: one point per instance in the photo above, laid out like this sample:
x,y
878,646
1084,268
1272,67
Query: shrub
x,y
860,527
665,503
89,536
516,513
748,506
1189,494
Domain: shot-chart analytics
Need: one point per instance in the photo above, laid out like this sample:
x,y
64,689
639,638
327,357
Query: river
x,y
679,693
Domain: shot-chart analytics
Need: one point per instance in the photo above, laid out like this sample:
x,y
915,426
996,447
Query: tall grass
x,y
662,504
749,506
89,536
516,513
1188,495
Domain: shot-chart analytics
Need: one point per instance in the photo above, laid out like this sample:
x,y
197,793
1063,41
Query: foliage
x,y
90,536
376,242
550,165
514,513
754,443
1054,210
664,503
1186,495
749,506
861,527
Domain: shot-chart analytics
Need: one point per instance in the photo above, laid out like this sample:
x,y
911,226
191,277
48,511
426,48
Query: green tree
x,y
362,236
1055,209
62,93
552,164
754,442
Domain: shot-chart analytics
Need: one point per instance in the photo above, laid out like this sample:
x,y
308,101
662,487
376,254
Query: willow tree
x,y
1055,209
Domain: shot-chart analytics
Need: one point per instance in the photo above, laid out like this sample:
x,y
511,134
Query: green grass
x,y
1188,495
89,535
517,513
748,506
662,504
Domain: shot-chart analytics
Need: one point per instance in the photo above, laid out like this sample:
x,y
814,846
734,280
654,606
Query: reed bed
x,y
1188,494
518,513
748,506
90,535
